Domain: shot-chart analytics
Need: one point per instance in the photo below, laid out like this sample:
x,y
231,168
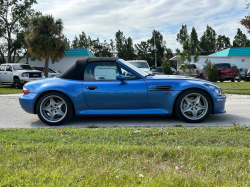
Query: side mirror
x,y
121,78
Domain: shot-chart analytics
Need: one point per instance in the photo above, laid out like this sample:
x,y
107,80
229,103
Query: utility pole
x,y
155,50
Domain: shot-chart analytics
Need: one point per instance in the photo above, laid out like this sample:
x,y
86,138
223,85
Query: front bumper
x,y
27,79
27,102
219,104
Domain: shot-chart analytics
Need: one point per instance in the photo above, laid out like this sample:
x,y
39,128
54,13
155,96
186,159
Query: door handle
x,y
91,87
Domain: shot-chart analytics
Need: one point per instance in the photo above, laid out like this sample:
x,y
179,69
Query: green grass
x,y
7,89
235,87
125,157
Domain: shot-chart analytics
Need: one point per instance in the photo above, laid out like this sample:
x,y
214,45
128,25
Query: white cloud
x,y
137,18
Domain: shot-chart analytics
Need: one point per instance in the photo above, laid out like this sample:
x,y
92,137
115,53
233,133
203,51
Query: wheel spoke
x,y
52,115
187,109
189,102
52,102
47,108
60,104
197,100
201,108
194,112
60,112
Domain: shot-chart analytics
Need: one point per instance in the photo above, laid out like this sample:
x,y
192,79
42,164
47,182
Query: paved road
x,y
12,116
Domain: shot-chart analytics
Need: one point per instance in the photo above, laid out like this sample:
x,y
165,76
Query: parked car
x,y
159,71
197,70
132,91
18,74
51,72
248,75
228,71
243,72
141,64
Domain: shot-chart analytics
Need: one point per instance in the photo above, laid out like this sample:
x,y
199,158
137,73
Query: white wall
x,y
237,60
62,65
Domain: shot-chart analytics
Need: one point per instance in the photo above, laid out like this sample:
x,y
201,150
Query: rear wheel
x,y
233,79
193,106
54,108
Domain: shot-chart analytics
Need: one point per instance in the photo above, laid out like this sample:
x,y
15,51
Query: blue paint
x,y
151,95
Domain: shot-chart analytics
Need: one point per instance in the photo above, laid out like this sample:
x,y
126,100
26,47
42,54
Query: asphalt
x,y
13,116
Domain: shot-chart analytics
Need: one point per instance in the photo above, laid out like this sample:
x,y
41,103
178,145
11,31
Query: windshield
x,y
143,73
222,66
22,67
140,64
157,70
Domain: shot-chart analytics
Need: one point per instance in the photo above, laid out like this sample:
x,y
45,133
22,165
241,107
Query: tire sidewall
x,y
66,117
18,83
185,93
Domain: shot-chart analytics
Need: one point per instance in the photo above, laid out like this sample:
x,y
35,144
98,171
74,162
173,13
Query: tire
x,y
239,79
17,84
201,76
221,81
188,101
56,104
233,79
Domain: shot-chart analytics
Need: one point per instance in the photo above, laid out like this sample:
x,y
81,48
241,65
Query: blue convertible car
x,y
111,86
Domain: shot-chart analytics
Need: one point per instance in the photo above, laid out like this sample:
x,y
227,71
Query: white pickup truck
x,y
18,74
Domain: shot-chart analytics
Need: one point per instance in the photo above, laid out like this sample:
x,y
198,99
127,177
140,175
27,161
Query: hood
x,y
179,77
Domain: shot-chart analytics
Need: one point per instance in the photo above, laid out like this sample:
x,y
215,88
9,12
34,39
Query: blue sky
x,y
137,18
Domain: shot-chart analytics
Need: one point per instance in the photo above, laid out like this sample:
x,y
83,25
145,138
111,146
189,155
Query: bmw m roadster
x,y
111,86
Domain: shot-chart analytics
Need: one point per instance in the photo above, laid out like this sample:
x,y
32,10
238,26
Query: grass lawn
x,y
7,89
125,157
235,87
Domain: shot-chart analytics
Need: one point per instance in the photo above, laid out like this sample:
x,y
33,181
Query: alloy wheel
x,y
194,106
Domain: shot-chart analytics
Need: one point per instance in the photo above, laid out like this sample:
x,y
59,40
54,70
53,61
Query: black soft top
x,y
75,72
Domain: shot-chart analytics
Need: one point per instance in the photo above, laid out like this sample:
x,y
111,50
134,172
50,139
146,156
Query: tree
x,y
166,68
183,35
168,53
45,39
177,50
120,41
194,41
83,42
160,46
208,41
143,51
100,49
124,47
211,71
223,42
13,25
186,55
240,40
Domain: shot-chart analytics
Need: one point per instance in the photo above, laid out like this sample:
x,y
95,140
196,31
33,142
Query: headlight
x,y
25,74
218,91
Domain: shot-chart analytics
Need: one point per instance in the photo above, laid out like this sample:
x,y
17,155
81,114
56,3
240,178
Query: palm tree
x,y
45,39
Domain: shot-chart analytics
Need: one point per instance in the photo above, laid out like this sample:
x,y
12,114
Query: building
x,y
238,56
70,58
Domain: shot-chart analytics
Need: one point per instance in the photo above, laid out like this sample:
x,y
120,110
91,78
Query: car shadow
x,y
218,120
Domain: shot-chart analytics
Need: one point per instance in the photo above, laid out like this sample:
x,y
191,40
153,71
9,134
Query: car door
x,y
2,73
103,91
8,74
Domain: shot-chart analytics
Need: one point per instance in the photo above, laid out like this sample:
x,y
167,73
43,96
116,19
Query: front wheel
x,y
193,106
17,84
233,79
54,108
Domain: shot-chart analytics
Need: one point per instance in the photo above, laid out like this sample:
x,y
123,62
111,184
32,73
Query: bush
x,y
211,71
166,68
